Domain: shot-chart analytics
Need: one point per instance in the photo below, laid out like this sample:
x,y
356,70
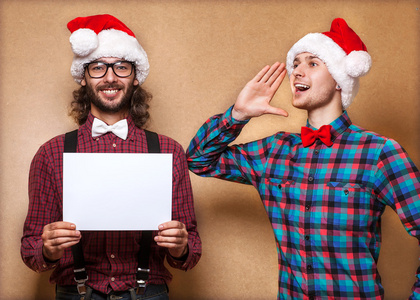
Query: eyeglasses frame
x,y
110,65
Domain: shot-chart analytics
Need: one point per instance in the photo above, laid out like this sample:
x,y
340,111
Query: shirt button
x,y
112,256
114,145
307,207
346,192
316,152
309,268
311,178
113,279
306,237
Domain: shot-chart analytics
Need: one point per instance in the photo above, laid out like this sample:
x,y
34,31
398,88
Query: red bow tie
x,y
309,136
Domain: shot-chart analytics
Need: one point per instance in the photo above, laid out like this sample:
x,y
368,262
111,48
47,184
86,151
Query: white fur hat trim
x,y
87,47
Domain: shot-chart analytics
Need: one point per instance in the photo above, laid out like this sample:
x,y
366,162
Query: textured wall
x,y
201,54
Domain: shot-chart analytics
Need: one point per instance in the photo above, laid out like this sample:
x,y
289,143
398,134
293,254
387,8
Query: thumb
x,y
276,111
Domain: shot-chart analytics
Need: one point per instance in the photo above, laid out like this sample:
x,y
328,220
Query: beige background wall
x,y
201,54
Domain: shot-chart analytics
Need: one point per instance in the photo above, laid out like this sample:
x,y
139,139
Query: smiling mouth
x,y
110,92
301,87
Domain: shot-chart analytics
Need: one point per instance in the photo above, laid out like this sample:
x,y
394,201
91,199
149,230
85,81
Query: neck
x,y
325,115
109,118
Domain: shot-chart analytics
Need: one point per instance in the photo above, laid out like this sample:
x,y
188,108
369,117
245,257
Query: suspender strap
x,y
152,142
142,275
80,275
70,141
146,240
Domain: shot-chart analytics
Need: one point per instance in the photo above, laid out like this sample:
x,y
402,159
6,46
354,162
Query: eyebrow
x,y
306,58
104,62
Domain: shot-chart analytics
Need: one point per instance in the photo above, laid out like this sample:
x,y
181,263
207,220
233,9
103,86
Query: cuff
x,y
181,262
231,120
43,263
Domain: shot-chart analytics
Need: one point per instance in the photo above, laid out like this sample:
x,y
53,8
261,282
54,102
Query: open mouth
x,y
301,87
110,93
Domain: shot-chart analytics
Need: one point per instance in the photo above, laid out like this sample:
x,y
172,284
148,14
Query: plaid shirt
x,y
324,203
111,256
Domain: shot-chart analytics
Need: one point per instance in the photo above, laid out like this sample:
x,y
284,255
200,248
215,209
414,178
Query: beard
x,y
314,100
112,107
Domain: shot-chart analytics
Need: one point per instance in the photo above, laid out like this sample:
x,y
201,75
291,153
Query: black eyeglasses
x,y
98,69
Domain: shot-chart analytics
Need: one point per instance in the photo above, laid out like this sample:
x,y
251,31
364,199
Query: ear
x,y
135,82
83,81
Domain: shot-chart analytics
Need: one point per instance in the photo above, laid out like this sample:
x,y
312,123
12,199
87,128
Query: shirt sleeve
x,y
210,155
42,210
398,184
183,211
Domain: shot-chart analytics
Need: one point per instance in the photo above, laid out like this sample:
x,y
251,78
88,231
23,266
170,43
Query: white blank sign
x,y
117,191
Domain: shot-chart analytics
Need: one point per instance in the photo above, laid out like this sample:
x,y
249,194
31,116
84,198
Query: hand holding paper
x,y
58,236
174,236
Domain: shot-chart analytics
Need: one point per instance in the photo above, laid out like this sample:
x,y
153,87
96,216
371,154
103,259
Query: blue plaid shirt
x,y
324,203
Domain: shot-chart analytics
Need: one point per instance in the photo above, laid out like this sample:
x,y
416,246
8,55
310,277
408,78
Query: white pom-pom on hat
x,y
358,63
83,41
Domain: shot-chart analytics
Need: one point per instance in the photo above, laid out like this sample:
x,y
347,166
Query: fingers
x,y
271,74
59,233
174,236
59,225
277,78
172,232
261,74
57,237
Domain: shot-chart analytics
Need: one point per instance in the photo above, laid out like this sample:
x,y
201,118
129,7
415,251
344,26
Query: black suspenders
x,y
80,274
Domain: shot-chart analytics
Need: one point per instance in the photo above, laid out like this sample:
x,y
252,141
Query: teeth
x,y
301,86
109,91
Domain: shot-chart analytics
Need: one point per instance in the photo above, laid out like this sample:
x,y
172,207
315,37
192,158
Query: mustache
x,y
110,86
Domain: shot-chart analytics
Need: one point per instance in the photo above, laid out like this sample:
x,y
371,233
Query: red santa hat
x,y
342,51
99,36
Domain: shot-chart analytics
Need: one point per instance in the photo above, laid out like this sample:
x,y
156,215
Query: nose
x,y
298,71
110,75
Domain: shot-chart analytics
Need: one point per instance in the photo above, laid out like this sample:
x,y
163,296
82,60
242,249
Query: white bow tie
x,y
120,128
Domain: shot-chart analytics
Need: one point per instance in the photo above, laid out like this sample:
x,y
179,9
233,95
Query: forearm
x,y
398,185
184,212
193,255
31,253
211,142
41,211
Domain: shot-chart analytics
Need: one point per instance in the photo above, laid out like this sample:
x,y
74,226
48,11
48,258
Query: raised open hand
x,y
254,99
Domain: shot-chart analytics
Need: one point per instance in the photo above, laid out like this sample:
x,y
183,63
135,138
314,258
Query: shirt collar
x,y
339,125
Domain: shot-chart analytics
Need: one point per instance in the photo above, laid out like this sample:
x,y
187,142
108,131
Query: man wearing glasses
x,y
111,109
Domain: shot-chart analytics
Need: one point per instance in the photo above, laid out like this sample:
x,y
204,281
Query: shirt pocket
x,y
283,200
347,207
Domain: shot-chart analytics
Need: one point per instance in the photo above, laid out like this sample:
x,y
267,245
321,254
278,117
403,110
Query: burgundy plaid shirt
x,y
111,256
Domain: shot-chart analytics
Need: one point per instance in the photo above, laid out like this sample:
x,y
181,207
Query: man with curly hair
x,y
111,109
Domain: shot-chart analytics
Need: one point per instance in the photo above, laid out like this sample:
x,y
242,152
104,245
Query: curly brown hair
x,y
80,106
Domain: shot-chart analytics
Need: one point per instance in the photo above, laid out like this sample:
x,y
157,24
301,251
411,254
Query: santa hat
x,y
342,51
99,36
